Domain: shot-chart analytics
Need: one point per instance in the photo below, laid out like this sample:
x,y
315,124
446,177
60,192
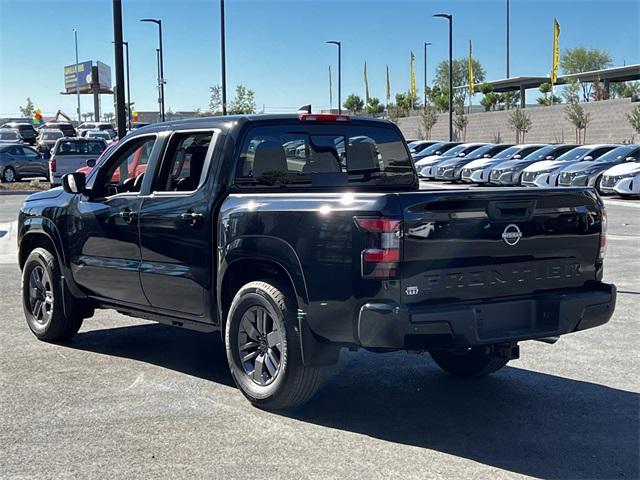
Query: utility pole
x,y
339,45
75,35
117,39
449,17
160,62
126,44
507,38
223,56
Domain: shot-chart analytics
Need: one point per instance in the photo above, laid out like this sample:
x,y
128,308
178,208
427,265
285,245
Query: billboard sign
x,y
104,75
84,77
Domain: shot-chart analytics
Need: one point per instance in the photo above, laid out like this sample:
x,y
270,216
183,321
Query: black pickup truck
x,y
298,235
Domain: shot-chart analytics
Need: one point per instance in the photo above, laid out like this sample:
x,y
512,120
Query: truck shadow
x,y
518,420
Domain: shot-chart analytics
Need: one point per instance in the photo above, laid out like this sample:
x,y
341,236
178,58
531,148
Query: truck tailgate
x,y
475,245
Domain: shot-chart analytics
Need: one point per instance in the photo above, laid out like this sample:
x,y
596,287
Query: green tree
x,y
354,104
428,119
574,112
625,89
244,102
460,76
581,59
28,110
374,107
548,98
89,116
521,123
571,91
460,122
108,116
215,101
439,97
634,119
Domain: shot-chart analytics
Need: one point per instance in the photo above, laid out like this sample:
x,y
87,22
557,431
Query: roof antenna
x,y
305,109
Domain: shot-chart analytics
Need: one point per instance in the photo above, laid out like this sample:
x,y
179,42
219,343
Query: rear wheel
x,y
467,362
8,175
263,348
42,299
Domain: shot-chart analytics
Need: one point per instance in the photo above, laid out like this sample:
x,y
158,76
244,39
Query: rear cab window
x,y
80,147
300,155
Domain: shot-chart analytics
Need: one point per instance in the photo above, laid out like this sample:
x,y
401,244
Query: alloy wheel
x,y
40,295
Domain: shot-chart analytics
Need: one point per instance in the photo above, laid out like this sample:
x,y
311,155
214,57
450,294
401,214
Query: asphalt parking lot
x,y
130,398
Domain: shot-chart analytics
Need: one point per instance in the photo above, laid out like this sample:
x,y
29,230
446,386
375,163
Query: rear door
x,y
465,245
176,227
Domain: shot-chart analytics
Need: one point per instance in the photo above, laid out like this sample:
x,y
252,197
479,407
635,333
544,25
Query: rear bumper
x,y
483,323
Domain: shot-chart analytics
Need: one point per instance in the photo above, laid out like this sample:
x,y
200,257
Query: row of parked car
x,y
610,168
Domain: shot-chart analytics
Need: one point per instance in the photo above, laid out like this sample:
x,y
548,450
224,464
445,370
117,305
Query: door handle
x,y
128,215
192,217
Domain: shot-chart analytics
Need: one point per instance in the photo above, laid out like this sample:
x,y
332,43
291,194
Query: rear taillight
x,y
604,223
52,164
381,258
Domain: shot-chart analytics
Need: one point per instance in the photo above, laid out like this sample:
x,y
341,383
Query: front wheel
x,y
42,299
262,342
8,175
467,362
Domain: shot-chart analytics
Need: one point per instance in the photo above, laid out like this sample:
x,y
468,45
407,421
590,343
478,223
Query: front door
x,y
176,242
105,241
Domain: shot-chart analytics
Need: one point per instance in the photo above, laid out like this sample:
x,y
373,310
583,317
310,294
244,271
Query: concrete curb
x,y
19,192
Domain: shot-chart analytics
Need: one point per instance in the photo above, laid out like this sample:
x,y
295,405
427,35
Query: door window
x,y
29,153
124,171
184,167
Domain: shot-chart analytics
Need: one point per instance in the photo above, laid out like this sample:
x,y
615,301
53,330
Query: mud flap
x,y
315,353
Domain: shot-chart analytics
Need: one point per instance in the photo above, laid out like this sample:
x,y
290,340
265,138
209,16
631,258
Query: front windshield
x,y
617,154
8,136
507,153
432,149
479,152
575,154
541,153
455,150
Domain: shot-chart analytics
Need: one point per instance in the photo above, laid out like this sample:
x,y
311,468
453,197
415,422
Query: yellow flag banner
x,y
556,51
472,87
413,76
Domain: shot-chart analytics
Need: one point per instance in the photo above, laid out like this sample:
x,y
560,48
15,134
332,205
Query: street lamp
x,y
339,45
507,38
75,36
161,63
450,18
425,73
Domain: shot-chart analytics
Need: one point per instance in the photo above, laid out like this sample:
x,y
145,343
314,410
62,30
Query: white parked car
x,y
623,172
479,171
628,187
545,174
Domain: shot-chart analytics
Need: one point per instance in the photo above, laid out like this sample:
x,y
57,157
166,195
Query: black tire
x,y
472,362
8,175
293,383
55,326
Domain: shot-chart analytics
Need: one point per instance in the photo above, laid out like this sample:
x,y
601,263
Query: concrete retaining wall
x,y
609,124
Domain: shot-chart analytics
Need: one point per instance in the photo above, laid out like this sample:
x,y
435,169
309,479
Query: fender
x,y
315,353
44,226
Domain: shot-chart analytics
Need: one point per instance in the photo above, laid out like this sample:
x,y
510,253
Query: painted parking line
x,y
8,245
622,203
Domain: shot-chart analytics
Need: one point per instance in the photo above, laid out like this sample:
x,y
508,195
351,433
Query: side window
x,y
527,151
125,171
29,153
599,152
183,167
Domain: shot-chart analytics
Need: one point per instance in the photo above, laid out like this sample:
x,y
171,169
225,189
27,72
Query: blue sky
x,y
277,48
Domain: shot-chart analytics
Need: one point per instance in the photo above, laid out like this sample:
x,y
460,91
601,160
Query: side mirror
x,y
438,152
588,158
461,154
74,182
629,159
486,155
517,156
91,162
549,157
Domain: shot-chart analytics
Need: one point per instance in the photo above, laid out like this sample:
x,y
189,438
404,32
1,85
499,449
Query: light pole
x,y
159,94
339,44
126,44
75,36
161,62
425,73
223,58
117,45
507,38
450,18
